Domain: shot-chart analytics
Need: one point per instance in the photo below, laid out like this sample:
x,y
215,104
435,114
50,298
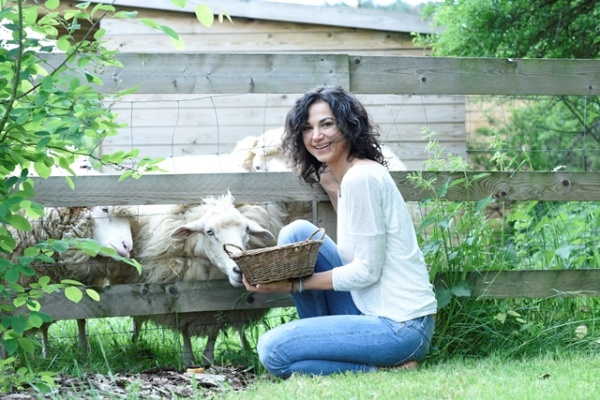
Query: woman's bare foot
x,y
406,365
409,365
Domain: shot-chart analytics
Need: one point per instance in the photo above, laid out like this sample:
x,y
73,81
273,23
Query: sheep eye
x,y
105,210
210,232
257,168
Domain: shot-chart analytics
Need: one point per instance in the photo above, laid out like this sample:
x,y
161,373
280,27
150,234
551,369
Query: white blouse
x,y
384,268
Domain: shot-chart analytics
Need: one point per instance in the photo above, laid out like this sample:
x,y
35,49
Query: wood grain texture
x,y
258,187
294,73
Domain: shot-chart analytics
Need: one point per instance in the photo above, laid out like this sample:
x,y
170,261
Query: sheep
x,y
110,226
185,242
198,164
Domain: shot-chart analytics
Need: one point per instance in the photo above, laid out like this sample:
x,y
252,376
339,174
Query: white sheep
x,y
198,164
185,242
110,226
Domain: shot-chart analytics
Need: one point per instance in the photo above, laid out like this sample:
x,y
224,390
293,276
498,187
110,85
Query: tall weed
x,y
458,237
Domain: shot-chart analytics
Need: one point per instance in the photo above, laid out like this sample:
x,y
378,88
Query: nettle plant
x,y
50,116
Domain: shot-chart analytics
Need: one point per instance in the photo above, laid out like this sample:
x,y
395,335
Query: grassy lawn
x,y
568,376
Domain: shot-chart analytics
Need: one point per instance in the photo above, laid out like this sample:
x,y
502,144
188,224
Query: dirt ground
x,y
150,385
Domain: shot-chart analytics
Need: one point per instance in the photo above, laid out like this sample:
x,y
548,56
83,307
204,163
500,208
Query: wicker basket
x,y
277,263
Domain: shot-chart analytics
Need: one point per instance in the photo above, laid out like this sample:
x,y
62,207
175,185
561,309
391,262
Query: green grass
x,y
565,376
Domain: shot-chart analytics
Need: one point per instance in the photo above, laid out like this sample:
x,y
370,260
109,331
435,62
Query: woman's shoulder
x,y
367,168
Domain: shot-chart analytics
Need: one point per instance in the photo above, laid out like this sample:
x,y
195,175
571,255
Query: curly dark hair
x,y
352,120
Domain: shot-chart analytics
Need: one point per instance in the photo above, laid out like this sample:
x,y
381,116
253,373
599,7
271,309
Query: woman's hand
x,y
284,286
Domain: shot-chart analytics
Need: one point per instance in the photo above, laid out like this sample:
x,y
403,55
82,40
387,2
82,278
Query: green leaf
x,y
19,222
11,345
169,31
92,294
178,44
179,3
103,7
35,321
71,282
30,15
52,4
12,275
461,289
63,43
99,33
27,344
500,317
149,22
19,324
443,297
126,14
74,294
205,15
42,169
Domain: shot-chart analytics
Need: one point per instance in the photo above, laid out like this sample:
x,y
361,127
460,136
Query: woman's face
x,y
322,138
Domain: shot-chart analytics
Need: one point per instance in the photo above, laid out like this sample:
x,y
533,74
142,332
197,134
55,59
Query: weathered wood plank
x,y
530,283
498,76
193,296
152,299
294,73
220,73
248,187
323,41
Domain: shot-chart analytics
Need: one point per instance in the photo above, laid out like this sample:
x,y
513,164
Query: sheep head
x,y
112,228
217,227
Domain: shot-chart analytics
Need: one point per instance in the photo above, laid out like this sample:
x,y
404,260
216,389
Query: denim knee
x,y
296,231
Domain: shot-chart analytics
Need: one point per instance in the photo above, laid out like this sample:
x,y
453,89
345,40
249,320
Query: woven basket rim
x,y
274,248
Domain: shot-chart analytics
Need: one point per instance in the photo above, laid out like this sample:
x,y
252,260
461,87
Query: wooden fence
x,y
279,73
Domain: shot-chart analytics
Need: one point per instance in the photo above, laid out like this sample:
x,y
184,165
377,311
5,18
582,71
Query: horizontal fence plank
x,y
258,187
197,296
166,298
295,73
496,76
530,283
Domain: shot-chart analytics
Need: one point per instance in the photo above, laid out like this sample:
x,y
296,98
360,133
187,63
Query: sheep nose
x,y
124,250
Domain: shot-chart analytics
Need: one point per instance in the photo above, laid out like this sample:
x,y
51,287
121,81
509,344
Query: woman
x,y
369,303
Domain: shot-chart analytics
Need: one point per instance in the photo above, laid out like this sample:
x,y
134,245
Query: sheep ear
x,y
260,232
188,230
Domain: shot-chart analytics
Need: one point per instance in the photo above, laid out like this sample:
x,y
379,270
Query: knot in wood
x,y
144,290
566,183
501,194
250,299
172,290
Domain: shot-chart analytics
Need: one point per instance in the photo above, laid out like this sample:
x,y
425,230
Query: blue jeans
x,y
332,335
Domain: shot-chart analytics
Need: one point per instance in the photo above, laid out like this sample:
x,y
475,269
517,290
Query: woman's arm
x,y
317,281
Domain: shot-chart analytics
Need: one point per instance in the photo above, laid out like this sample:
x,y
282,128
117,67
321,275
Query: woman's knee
x,y
296,231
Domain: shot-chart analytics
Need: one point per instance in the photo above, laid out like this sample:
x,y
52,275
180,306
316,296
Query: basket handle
x,y
322,230
228,251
